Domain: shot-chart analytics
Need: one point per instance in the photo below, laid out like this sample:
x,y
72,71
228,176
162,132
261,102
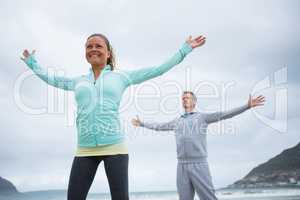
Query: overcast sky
x,y
252,46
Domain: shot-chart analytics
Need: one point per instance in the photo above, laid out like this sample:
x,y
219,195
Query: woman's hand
x,y
26,54
196,42
136,122
258,101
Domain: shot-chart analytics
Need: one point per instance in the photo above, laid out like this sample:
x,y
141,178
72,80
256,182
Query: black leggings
x,y
83,172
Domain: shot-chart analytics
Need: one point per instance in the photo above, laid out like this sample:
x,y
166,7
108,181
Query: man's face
x,y
188,101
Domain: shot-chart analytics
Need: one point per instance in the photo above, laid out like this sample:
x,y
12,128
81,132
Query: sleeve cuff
x,y
142,124
186,48
30,60
246,106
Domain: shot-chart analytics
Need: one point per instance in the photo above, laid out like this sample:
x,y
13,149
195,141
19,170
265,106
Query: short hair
x,y
191,93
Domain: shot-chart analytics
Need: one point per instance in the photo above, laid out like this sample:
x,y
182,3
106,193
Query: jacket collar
x,y
185,115
106,68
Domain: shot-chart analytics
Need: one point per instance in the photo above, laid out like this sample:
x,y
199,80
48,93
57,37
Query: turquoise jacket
x,y
98,100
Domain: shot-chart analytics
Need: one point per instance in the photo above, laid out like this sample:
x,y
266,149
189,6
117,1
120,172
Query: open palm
x,y
196,42
258,101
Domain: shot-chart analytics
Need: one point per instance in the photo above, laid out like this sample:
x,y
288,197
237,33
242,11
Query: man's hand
x,y
258,101
196,42
136,122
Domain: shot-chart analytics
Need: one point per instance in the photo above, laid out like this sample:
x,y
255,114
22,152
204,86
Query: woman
x,y
98,95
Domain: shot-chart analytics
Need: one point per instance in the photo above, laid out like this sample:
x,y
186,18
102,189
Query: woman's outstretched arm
x,y
138,76
54,80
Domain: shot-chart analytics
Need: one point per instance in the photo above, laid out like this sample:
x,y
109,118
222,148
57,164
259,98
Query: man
x,y
190,131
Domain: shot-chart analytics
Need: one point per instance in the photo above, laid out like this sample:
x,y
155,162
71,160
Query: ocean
x,y
228,194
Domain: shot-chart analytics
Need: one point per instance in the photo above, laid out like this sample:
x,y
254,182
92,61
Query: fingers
x,y
201,37
203,42
196,42
26,54
200,42
259,102
260,99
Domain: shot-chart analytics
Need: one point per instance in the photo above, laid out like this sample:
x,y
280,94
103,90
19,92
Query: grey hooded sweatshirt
x,y
190,132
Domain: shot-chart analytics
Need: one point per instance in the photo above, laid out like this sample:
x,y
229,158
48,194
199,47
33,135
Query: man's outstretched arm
x,y
167,126
217,116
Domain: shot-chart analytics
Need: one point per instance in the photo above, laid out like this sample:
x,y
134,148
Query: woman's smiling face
x,y
96,51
